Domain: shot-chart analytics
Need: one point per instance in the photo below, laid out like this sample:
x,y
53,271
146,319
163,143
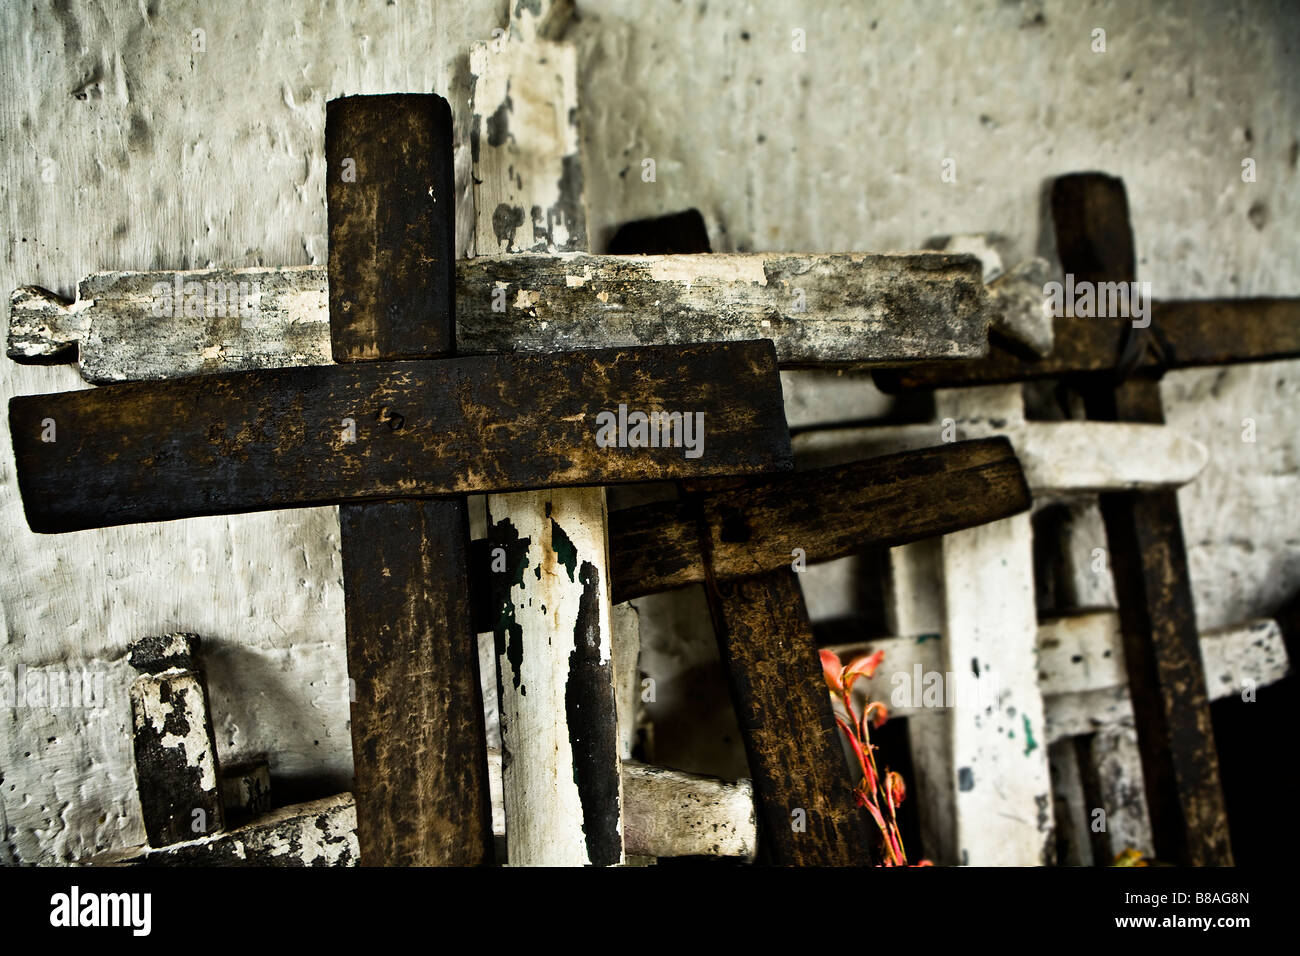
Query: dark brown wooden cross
x,y
395,424
1116,367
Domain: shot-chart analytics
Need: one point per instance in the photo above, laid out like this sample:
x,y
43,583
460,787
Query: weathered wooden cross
x,y
372,435
1098,355
357,434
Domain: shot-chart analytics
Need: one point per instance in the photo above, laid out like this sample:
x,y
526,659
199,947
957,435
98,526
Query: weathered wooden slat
x,y
817,310
1188,333
392,204
755,526
1145,538
562,788
278,439
319,833
669,814
1081,659
418,739
1000,769
1057,457
801,787
176,766
559,721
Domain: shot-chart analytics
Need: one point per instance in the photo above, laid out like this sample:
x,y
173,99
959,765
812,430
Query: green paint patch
x,y
922,638
1030,743
565,551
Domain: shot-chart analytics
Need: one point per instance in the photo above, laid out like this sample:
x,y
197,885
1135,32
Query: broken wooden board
x,y
176,767
755,526
418,740
817,310
319,833
280,439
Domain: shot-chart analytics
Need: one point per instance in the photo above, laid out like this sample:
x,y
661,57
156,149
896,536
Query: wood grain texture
x,y
276,439
807,812
891,308
754,526
1144,534
418,739
392,211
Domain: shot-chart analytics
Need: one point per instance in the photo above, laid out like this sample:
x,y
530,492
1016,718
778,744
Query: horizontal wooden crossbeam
x,y
669,813
817,309
1081,667
297,437
1182,334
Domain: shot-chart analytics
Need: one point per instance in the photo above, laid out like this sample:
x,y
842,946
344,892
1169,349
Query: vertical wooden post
x,y
1145,538
999,748
418,738
915,610
802,788
559,725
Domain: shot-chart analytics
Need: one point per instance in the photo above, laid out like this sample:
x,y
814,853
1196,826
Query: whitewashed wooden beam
x,y
914,606
561,782
1081,661
817,309
999,751
176,767
669,813
1066,458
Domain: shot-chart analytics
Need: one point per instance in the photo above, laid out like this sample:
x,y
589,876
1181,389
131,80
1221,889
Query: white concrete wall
x,y
121,148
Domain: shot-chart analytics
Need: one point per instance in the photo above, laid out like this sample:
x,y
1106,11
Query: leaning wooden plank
x,y
1057,457
418,739
817,309
562,788
1190,333
176,766
285,438
755,526
801,788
